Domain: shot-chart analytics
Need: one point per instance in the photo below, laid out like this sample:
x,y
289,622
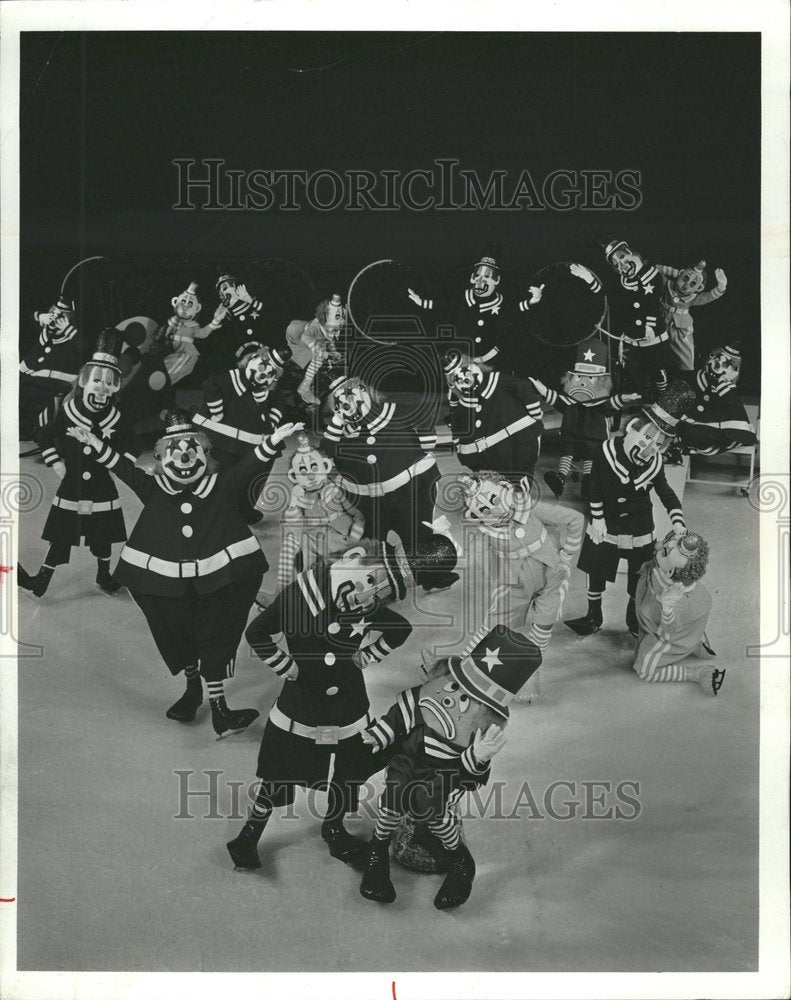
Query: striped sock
x,y
216,689
191,671
447,829
587,465
672,672
564,465
386,823
540,635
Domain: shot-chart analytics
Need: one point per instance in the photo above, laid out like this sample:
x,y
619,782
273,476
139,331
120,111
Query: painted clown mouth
x,y
446,723
582,393
96,402
185,472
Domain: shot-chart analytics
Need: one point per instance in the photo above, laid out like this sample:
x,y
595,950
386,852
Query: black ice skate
x,y
185,709
588,624
376,884
35,585
439,581
243,849
457,886
228,721
631,619
105,581
556,481
341,844
711,680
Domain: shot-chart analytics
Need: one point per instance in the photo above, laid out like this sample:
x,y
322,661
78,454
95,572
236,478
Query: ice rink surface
x,y
110,880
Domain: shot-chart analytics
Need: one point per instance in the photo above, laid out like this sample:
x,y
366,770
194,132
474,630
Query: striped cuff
x,y
266,450
382,732
378,650
597,509
356,531
107,456
50,456
280,662
540,636
333,432
469,762
677,517
428,441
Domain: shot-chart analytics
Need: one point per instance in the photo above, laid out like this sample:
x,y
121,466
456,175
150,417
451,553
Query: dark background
x,y
104,114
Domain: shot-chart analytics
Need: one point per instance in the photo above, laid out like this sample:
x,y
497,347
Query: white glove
x,y
60,470
292,673
485,746
219,314
722,281
370,740
598,529
535,294
85,437
579,271
414,296
670,597
284,431
243,294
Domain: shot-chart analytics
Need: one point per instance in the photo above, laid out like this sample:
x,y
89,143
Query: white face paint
x,y
352,402
690,281
465,378
227,292
627,262
585,388
261,372
484,279
669,556
309,469
336,317
357,586
722,368
642,444
186,305
491,503
99,384
184,460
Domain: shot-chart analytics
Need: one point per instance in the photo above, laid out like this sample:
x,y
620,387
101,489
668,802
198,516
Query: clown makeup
x,y
358,587
309,469
484,279
626,261
186,305
586,388
446,702
335,317
260,371
184,459
643,443
465,378
690,281
722,367
669,556
99,384
352,402
492,503
227,292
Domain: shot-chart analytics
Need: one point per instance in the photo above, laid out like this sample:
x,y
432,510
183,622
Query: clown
x,y
636,318
496,419
86,508
48,370
718,421
317,634
385,466
242,405
528,549
442,736
317,344
192,565
684,289
242,317
319,519
673,611
587,403
625,471
176,339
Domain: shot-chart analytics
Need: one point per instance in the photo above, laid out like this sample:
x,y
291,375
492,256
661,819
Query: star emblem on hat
x,y
359,627
588,355
491,659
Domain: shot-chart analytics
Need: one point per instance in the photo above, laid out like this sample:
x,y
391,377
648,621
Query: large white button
x,y
86,451
332,690
520,532
249,329
636,305
478,408
187,531
480,322
47,350
329,659
186,507
86,475
706,396
477,423
477,340
333,628
700,409
371,459
621,499
41,359
370,440
638,322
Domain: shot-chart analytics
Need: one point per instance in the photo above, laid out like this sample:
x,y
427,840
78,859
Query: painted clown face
x,y
352,402
260,371
489,502
186,305
690,281
585,388
722,367
357,583
643,443
227,292
451,712
309,469
626,261
465,378
55,318
99,384
184,459
669,556
484,280
335,317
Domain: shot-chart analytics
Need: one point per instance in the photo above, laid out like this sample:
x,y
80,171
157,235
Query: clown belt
x,y
188,568
389,485
482,444
647,341
627,541
87,506
227,430
321,735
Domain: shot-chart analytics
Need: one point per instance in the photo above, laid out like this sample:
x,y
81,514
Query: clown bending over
x,y
673,611
529,569
441,737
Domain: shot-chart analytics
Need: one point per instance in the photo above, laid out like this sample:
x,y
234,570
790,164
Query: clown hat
x,y
330,380
491,252
612,244
398,570
108,349
733,349
433,561
64,304
591,359
497,668
672,404
225,277
280,355
452,361
177,422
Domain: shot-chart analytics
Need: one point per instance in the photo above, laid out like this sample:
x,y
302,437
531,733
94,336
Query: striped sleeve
x,y
669,500
215,408
265,633
470,763
428,439
396,722
266,451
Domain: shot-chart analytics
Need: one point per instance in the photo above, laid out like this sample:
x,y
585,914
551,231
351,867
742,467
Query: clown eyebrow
x,y
187,442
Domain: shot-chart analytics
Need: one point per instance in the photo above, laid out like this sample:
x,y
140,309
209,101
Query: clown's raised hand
x,y
536,291
722,281
414,296
579,271
284,431
59,322
220,314
486,745
85,437
243,294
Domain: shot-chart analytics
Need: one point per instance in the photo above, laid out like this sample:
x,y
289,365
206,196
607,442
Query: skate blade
x,y
233,732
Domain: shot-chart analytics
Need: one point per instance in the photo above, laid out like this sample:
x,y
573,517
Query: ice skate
x,y
556,481
440,581
457,886
105,581
228,721
711,680
341,844
35,585
244,848
632,624
376,884
588,624
185,709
